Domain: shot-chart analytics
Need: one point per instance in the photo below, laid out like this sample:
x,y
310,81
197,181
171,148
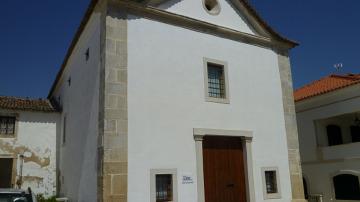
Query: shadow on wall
x,y
38,117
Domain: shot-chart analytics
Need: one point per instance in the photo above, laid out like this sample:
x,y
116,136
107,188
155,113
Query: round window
x,y
212,6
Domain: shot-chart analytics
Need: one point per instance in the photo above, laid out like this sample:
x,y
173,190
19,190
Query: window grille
x,y
164,188
216,81
271,186
7,125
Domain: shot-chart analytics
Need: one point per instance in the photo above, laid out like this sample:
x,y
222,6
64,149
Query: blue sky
x,y
34,37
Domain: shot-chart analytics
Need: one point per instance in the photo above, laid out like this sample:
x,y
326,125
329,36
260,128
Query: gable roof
x,y
326,85
26,104
93,4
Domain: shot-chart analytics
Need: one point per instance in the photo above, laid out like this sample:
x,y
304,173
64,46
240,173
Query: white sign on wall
x,y
187,179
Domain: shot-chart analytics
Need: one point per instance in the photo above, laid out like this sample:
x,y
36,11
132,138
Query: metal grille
x,y
164,190
315,198
271,186
216,81
7,125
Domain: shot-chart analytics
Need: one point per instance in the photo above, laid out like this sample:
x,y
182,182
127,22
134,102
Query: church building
x,y
176,100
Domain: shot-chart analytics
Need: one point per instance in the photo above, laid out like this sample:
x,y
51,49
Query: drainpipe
x,y
19,181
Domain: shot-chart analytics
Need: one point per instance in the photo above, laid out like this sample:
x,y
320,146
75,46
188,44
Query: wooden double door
x,y
224,175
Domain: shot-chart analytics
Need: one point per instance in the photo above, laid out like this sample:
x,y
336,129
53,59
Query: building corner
x,y
113,124
291,128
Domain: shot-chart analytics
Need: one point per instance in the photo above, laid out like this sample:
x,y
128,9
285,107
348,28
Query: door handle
x,y
230,185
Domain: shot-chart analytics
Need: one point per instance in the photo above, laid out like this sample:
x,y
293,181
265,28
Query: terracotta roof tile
x,y
26,104
326,85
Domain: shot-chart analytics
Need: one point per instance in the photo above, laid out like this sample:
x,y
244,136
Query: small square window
x,y
7,125
271,183
164,186
216,81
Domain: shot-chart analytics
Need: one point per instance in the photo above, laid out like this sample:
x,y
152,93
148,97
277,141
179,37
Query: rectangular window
x,y
64,130
216,81
163,185
271,183
7,125
355,133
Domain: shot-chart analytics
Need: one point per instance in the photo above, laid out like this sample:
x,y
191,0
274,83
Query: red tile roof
x,y
326,85
26,104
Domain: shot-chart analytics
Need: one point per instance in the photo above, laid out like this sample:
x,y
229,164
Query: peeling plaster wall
x,y
36,140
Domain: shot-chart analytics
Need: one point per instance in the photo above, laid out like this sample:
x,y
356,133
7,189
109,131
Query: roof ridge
x,y
347,76
27,104
22,98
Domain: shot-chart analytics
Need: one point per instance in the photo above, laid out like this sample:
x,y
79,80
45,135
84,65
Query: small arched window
x,y
334,135
347,187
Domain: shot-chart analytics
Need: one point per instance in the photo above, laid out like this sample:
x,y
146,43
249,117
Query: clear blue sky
x,y
34,37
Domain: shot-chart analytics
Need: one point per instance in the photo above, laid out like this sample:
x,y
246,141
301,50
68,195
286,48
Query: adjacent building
x,y
177,100
328,115
28,131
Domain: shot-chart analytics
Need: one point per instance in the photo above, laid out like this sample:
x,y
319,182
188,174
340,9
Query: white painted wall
x,y
36,139
319,176
320,163
166,101
80,103
308,112
228,17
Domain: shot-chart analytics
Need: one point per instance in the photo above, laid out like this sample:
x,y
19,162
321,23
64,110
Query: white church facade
x,y
176,100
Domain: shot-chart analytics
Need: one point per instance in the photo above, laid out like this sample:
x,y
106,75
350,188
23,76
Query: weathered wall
x,y
78,95
36,140
166,101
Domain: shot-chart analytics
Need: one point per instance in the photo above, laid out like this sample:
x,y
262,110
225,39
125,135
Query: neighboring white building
x,y
328,115
149,90
28,145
